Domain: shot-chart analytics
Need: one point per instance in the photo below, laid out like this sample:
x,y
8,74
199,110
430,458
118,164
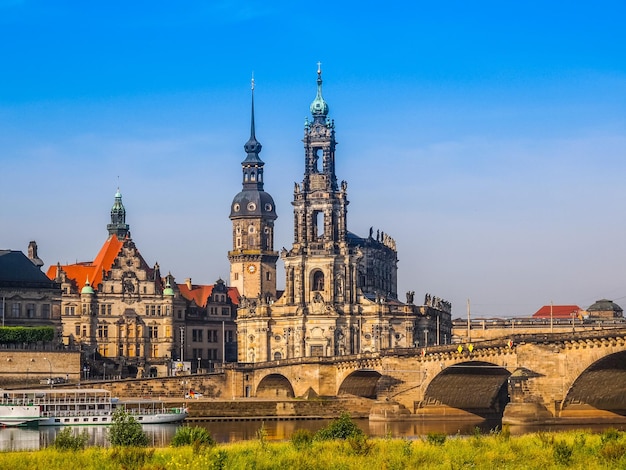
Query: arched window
x,y
278,356
318,281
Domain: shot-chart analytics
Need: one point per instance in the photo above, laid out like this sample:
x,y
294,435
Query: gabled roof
x,y
558,311
201,293
92,270
17,270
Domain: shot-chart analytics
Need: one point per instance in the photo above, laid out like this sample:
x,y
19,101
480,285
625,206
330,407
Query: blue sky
x,y
487,138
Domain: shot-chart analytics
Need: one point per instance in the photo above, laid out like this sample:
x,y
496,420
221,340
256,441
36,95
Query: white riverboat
x,y
78,406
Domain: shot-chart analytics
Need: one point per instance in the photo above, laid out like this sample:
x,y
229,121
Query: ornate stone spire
x,y
319,108
118,225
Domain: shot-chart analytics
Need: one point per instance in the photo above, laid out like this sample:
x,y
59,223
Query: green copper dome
x,y
168,288
319,106
87,289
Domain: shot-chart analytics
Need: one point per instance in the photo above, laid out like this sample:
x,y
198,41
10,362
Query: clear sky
x,y
488,138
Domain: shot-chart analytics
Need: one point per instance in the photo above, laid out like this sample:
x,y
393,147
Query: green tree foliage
x,y
126,431
67,440
25,334
341,428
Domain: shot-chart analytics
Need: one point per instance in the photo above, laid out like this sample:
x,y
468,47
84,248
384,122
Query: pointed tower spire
x,y
118,225
252,147
319,108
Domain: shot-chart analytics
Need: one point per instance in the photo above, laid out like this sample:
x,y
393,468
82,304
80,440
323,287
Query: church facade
x,y
340,292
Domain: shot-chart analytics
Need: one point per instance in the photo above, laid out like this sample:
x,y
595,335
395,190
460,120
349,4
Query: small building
x,y
605,309
559,312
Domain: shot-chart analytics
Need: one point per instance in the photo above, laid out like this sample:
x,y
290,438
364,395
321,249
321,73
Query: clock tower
x,y
252,212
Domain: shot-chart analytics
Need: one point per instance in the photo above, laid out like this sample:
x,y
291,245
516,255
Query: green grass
x,y
574,450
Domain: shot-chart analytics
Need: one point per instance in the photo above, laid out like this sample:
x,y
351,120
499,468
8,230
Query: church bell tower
x,y
252,212
320,267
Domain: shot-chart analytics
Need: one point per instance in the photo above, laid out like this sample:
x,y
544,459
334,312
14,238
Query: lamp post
x,y
199,359
50,365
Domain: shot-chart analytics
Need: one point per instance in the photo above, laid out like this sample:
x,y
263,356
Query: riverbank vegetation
x,y
544,450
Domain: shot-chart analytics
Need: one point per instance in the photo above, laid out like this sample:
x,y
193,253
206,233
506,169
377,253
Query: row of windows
x,y
107,309
198,353
30,310
103,331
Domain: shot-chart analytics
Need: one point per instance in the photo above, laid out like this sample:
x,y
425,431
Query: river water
x,y
230,431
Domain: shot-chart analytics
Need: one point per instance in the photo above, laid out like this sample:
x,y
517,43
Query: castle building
x,y
118,308
340,289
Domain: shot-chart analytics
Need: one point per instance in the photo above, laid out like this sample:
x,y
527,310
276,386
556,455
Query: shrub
x,y
359,444
562,453
302,439
126,431
609,435
612,450
67,440
436,438
192,436
341,428
26,334
131,457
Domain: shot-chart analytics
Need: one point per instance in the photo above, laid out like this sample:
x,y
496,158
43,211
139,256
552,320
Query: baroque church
x,y
340,294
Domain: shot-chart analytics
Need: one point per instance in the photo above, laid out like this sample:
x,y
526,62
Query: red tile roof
x,y
558,311
91,270
201,293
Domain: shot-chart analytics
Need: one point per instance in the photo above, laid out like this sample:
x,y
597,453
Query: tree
x,y
126,431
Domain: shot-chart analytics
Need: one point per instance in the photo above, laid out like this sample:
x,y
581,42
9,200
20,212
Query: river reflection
x,y
160,435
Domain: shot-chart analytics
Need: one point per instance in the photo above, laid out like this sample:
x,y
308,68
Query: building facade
x,y
341,289
118,309
210,333
27,296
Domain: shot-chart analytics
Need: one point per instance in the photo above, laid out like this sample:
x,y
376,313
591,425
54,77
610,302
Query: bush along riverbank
x,y
341,445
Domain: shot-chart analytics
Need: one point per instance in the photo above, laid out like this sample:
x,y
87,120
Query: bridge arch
x,y
275,386
476,386
600,386
362,383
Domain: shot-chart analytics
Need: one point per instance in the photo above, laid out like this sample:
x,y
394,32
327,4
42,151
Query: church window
x,y
245,177
318,153
158,310
236,208
268,276
225,311
77,330
268,208
238,242
109,307
251,206
84,330
278,356
318,223
236,276
318,281
45,311
15,310
155,350
253,176
145,289
111,289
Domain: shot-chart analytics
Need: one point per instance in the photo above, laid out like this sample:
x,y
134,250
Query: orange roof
x,y
201,293
558,311
91,270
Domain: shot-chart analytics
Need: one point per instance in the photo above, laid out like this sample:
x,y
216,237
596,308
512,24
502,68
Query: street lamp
x,y
50,365
199,359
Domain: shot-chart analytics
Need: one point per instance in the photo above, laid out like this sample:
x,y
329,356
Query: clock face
x,y
251,269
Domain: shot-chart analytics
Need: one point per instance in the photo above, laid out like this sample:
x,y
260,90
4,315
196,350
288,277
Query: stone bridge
x,y
524,378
